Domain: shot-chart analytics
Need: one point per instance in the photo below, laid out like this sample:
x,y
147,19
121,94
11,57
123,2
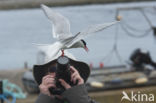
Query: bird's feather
x,y
61,25
66,53
90,30
51,50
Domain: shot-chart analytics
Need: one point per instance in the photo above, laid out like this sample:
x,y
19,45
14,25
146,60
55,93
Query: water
x,y
20,28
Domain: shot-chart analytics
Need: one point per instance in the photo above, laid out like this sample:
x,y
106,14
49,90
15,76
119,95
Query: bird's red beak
x,y
86,48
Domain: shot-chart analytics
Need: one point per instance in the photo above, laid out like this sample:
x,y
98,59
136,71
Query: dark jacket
x,y
76,94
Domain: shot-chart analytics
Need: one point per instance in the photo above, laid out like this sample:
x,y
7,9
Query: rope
x,y
143,13
132,28
153,11
108,56
114,49
3,97
125,26
147,32
115,45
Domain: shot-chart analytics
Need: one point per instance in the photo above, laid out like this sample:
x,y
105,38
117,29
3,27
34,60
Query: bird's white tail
x,y
51,50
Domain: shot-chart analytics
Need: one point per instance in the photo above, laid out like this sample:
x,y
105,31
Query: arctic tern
x,y
61,32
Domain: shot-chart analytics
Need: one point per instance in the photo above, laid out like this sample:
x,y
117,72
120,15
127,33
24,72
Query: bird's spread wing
x,y
61,25
51,50
90,30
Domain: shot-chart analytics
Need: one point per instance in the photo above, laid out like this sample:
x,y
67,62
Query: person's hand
x,y
47,82
75,76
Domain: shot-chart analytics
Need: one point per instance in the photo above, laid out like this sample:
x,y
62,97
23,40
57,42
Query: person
x,y
72,94
141,58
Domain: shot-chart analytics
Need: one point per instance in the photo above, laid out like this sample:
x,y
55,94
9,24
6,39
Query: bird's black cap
x,y
84,42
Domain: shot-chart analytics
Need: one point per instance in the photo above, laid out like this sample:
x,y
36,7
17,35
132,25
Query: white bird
x,y
61,32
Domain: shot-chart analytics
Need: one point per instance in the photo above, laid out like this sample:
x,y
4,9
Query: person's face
x,y
52,70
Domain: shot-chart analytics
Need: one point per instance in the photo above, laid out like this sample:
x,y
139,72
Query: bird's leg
x,y
62,52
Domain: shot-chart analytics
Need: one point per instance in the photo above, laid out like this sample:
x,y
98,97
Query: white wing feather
x,y
61,25
90,30
50,50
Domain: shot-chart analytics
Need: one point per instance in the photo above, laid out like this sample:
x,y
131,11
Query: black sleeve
x,y
77,94
42,98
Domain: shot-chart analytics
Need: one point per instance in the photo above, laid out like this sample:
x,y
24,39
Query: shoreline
x,y
19,4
